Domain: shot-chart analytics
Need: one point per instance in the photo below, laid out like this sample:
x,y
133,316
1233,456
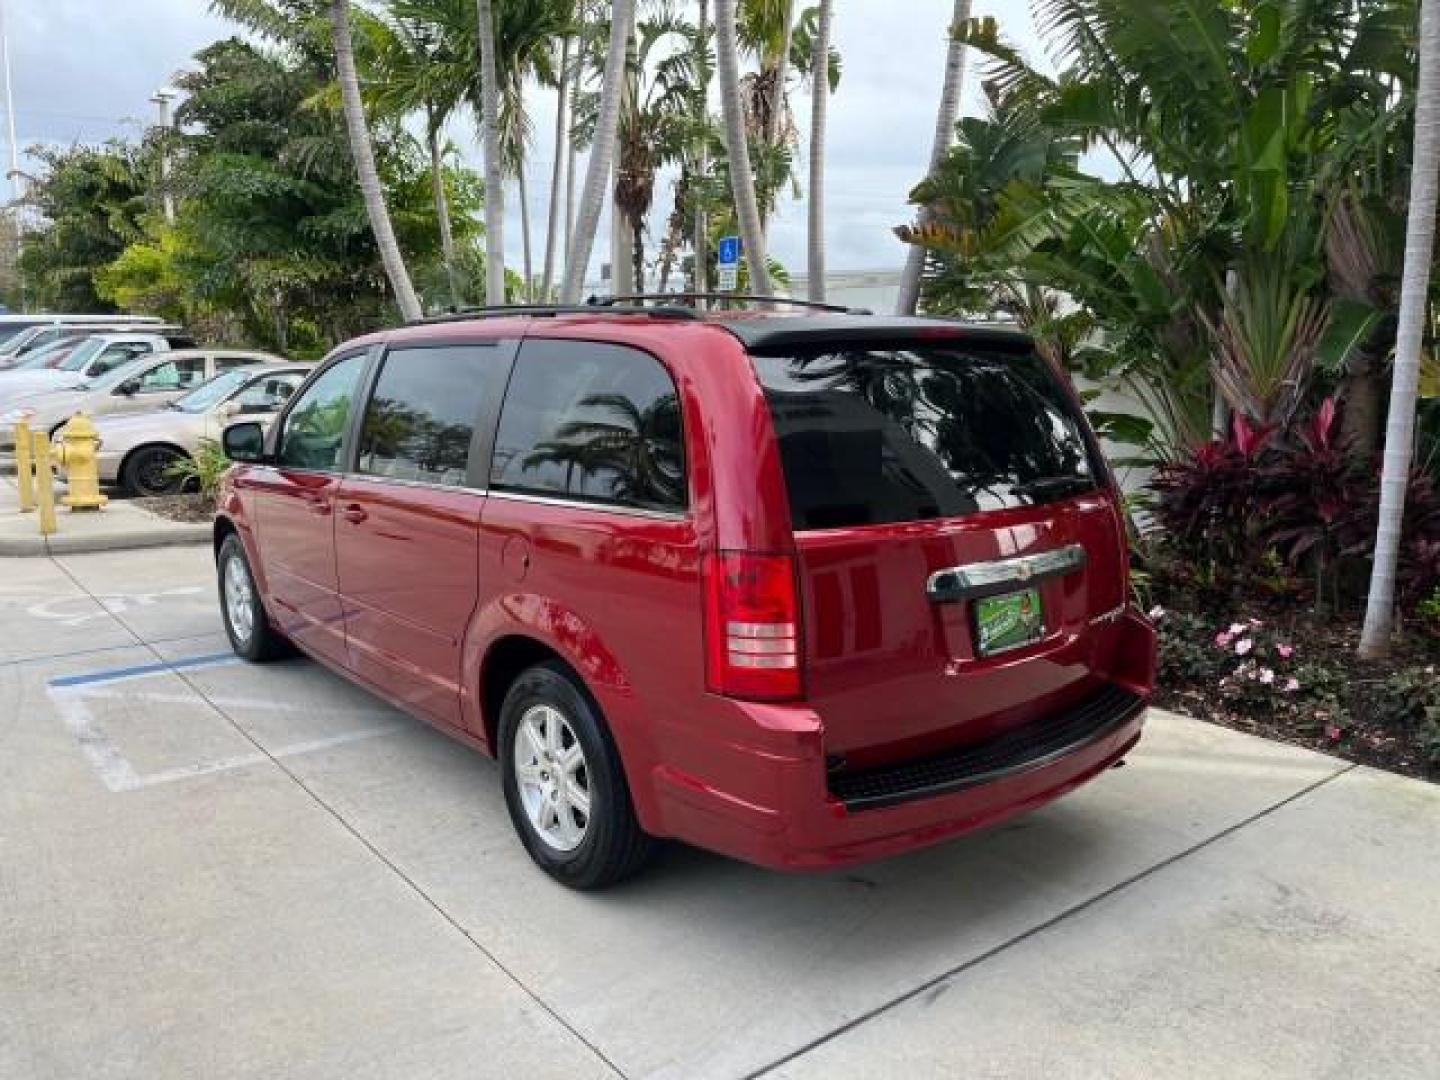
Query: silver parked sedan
x,y
137,452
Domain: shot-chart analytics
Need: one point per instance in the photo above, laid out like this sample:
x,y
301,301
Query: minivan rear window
x,y
912,432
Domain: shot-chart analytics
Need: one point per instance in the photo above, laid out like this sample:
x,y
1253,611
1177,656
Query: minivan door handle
x,y
354,513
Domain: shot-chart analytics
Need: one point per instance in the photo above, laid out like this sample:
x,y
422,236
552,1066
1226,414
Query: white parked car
x,y
138,451
145,383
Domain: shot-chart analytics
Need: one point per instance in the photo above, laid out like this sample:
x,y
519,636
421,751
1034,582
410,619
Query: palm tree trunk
x,y
442,214
944,136
775,130
365,170
742,179
701,239
570,157
557,168
820,88
1410,338
494,172
523,193
602,153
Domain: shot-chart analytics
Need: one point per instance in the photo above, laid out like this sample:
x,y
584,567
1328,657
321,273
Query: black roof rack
x,y
637,298
541,311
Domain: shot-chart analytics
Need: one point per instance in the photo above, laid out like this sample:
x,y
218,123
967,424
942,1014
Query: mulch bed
x,y
189,509
1363,733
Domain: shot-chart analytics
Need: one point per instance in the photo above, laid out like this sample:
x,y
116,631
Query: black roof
x,y
779,332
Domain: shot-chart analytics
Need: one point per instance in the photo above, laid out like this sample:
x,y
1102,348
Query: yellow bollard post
x,y
44,482
24,468
79,447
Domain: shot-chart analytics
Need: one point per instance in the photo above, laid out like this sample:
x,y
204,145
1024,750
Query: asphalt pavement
x,y
212,869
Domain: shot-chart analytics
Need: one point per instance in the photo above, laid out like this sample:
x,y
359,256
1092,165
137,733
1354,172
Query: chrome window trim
x,y
974,581
430,485
581,504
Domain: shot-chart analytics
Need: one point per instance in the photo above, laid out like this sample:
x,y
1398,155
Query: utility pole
x,y
162,99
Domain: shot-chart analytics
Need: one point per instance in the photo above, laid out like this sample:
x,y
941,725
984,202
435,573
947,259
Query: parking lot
x,y
212,869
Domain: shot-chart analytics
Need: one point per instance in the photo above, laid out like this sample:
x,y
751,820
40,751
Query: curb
x,y
59,544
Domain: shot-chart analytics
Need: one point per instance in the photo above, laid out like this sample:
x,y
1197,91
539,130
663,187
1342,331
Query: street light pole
x,y
162,98
10,100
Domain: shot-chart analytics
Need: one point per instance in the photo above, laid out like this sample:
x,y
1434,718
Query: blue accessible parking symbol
x,y
728,251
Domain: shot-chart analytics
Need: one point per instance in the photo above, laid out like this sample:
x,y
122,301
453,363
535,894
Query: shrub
x,y
202,471
1410,700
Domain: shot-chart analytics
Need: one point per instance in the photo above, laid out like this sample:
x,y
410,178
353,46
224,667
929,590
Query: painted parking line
x,y
110,675
72,696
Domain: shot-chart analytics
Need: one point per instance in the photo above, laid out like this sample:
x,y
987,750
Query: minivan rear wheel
x,y
564,784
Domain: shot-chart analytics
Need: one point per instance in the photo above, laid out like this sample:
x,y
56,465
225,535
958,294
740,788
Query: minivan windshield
x,y
918,431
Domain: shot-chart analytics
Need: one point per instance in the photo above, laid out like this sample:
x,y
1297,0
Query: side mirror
x,y
130,387
244,442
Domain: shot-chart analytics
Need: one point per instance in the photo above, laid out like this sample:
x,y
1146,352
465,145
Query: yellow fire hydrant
x,y
78,453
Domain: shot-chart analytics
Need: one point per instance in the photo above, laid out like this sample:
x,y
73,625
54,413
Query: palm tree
x,y
558,172
490,143
742,179
425,62
820,86
944,132
1414,302
701,238
602,152
364,155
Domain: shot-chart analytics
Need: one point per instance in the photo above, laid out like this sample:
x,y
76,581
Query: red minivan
x,y
802,589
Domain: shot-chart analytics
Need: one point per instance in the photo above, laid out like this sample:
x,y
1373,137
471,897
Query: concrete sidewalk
x,y
211,868
120,526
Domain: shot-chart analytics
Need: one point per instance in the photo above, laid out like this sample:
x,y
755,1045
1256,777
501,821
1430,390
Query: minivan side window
x,y
421,416
597,423
314,432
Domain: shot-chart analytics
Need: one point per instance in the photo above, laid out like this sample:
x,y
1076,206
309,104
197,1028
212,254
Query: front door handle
x,y
354,513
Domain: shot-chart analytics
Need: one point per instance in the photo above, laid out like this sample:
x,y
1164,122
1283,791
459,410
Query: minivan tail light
x,y
752,626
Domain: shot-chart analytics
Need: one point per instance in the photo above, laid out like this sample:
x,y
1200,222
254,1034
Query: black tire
x,y
613,847
263,641
144,471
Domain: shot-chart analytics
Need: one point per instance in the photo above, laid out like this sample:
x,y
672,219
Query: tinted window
x,y
869,436
593,422
314,434
229,363
421,416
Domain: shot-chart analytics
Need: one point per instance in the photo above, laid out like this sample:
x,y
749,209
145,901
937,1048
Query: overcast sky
x,y
84,70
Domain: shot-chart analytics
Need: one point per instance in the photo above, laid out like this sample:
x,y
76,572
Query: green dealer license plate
x,y
1009,621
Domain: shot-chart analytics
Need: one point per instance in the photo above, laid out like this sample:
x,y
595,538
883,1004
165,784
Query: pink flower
x,y
1333,732
1243,647
1256,622
1291,685
1285,651
1223,639
1237,628
1157,613
1267,676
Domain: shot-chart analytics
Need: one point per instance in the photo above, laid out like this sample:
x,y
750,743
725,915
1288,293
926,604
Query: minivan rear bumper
x,y
811,828
771,802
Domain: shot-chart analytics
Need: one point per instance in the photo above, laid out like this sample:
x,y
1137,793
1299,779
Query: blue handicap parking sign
x,y
728,251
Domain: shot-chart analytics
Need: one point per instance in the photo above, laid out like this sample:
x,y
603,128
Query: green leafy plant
x,y
1410,700
202,471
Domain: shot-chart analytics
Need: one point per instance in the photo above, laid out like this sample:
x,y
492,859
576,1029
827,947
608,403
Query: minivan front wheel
x,y
564,785
246,624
